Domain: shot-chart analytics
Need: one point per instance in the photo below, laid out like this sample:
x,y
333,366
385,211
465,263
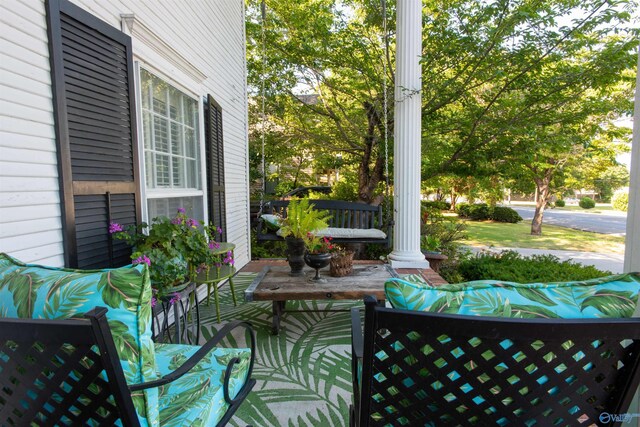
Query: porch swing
x,y
349,222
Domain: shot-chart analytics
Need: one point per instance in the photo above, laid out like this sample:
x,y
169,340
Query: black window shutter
x,y
215,165
92,83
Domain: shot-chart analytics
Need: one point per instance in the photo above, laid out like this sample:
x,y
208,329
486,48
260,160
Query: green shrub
x,y
510,266
479,212
504,214
620,201
463,209
587,203
437,204
560,203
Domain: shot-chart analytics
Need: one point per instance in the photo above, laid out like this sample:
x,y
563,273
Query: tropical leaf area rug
x,y
304,374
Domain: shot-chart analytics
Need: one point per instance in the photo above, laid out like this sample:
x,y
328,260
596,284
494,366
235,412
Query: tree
x,y
324,75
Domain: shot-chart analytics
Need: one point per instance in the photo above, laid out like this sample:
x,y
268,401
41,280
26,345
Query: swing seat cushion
x,y
349,233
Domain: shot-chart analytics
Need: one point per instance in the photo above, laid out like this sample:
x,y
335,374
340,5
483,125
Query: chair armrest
x,y
357,337
200,354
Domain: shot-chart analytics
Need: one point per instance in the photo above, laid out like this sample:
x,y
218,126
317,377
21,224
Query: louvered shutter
x,y
215,165
92,80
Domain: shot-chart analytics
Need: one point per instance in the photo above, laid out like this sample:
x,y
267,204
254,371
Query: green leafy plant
x,y
513,267
317,244
587,203
620,201
504,214
560,203
430,243
174,249
302,218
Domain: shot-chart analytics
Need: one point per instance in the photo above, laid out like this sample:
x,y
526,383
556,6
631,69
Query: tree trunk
x,y
370,176
543,193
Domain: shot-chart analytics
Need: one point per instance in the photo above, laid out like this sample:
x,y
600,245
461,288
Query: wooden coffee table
x,y
276,285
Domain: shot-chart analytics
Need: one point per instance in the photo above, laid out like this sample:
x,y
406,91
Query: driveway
x,y
607,223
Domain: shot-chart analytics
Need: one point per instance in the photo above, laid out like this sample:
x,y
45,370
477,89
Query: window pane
x,y
148,167
145,85
189,142
192,174
159,96
169,206
160,134
177,165
146,130
175,104
162,171
176,139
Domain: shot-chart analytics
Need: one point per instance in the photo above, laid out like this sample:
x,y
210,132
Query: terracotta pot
x,y
295,255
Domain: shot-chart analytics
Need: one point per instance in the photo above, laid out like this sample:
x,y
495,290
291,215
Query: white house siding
x,y
30,224
209,35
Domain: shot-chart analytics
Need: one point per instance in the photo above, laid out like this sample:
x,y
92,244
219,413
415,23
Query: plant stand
x,y
216,275
186,324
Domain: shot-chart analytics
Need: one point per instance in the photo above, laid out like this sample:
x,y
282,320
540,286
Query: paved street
x,y
608,223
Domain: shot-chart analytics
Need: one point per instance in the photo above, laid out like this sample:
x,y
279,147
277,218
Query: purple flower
x,y
218,265
142,259
219,230
192,222
174,299
176,221
114,227
229,258
181,210
214,245
154,301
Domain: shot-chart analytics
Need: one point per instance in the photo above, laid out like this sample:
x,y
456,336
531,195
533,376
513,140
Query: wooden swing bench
x,y
350,222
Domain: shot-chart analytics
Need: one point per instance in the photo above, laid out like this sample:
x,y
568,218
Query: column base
x,y
408,260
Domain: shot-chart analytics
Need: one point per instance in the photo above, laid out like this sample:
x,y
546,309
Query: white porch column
x,y
407,132
632,250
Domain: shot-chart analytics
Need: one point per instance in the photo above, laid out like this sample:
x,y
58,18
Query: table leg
x,y
278,309
217,300
176,319
233,292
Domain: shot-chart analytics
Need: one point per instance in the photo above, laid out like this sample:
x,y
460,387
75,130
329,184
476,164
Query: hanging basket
x,y
341,265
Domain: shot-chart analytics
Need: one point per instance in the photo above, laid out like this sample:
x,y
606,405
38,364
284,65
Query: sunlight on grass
x,y
559,238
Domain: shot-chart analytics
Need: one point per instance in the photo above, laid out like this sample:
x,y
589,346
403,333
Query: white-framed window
x,y
172,155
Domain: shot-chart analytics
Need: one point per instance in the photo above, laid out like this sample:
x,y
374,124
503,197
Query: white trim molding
x,y
140,33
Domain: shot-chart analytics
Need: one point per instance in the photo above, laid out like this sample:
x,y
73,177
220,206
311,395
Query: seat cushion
x,y
197,398
348,233
40,292
611,296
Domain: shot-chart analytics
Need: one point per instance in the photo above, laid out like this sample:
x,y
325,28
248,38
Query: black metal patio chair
x,y
415,368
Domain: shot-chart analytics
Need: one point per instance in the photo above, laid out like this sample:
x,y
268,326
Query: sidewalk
x,y
611,262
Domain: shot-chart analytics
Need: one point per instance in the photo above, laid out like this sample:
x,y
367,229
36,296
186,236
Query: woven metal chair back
x,y
61,372
427,369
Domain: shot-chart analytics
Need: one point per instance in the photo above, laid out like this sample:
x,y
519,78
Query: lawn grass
x,y
499,234
600,208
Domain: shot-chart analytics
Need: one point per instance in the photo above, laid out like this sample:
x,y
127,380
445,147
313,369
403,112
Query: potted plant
x,y
301,220
175,249
341,261
318,252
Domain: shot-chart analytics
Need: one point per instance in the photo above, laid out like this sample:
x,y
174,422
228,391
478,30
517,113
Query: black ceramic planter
x,y
295,255
317,261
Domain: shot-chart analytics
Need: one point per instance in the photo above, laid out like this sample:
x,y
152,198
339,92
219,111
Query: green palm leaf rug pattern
x,y
303,374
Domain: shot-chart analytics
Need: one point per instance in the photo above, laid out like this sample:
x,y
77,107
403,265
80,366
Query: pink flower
x,y
219,230
174,299
142,259
229,258
192,222
176,221
214,245
114,227
154,301
182,210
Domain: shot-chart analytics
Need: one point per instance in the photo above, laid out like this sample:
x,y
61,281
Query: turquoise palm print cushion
x,y
197,398
38,292
611,296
